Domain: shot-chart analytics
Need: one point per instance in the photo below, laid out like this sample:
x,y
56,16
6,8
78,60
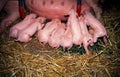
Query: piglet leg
x,y
67,38
12,14
26,34
75,28
87,37
99,29
21,25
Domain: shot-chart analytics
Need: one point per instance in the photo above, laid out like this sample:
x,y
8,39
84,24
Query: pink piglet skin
x,y
99,29
26,34
75,28
67,39
87,37
44,34
57,34
20,26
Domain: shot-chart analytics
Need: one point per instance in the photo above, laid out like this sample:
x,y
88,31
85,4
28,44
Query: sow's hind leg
x,y
2,4
12,10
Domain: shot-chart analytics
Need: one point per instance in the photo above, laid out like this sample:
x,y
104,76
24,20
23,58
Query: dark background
x,y
109,4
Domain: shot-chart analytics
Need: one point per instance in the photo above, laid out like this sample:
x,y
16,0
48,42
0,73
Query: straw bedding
x,y
34,60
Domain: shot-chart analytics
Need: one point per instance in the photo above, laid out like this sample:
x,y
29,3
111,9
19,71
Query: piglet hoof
x,y
4,25
105,39
90,42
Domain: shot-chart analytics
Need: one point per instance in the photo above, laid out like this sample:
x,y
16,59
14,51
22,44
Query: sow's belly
x,y
51,8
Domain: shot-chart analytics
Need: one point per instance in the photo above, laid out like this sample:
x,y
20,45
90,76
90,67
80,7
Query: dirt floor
x,y
34,60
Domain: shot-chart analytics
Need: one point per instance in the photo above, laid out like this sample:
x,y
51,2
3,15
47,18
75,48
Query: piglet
x,y
21,25
57,34
75,27
99,29
44,34
87,37
25,34
67,38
